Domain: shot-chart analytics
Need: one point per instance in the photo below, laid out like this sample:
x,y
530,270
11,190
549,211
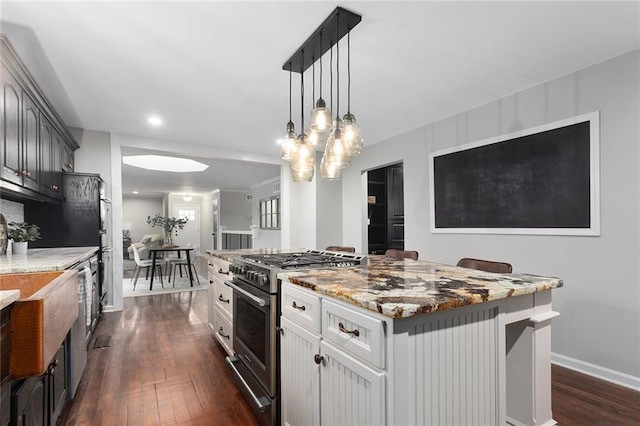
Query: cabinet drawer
x,y
357,333
224,298
301,306
223,330
220,268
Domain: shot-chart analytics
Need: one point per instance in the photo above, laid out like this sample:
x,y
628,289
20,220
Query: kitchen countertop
x,y
402,288
45,259
228,255
7,297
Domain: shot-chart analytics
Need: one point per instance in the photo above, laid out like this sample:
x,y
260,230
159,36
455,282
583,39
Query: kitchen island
x,y
414,342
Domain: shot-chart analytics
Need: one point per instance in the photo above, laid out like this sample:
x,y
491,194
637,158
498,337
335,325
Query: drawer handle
x,y
220,298
210,281
317,358
220,272
355,332
221,332
302,308
210,264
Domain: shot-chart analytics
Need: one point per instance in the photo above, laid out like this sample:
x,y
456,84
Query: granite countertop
x,y
7,297
44,260
400,288
228,255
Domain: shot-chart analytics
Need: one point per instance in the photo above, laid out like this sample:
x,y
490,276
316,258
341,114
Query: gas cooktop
x,y
308,259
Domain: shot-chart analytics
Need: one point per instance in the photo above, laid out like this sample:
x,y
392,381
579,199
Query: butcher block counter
x,y
416,342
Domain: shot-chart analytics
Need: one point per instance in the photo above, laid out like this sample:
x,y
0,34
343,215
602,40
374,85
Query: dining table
x,y
178,249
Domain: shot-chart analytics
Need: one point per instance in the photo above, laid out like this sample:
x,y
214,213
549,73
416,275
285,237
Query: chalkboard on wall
x,y
543,180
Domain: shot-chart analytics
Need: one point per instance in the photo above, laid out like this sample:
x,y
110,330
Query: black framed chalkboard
x,y
541,180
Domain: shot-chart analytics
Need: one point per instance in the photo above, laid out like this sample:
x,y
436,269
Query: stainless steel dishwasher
x,y
80,334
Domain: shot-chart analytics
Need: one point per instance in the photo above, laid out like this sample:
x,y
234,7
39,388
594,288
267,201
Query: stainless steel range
x,y
256,313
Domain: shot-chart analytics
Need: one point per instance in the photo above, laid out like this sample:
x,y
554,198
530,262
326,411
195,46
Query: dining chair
x,y
485,265
179,265
406,254
147,263
343,249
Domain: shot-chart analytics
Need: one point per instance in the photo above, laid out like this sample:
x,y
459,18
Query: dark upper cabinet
x,y
30,143
10,129
36,147
68,158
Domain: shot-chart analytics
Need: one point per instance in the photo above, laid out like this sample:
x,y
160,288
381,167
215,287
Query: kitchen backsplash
x,y
12,211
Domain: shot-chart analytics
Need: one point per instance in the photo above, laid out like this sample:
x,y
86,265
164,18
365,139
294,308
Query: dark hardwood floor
x,y
162,367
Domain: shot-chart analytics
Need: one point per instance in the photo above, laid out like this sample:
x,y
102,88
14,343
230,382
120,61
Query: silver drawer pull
x,y
355,332
302,308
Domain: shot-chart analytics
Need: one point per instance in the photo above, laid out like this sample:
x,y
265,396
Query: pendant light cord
x,y
338,67
290,92
302,93
349,72
331,75
313,86
320,66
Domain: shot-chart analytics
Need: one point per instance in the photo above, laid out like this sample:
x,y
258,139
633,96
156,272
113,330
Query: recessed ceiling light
x,y
135,192
187,198
164,164
154,120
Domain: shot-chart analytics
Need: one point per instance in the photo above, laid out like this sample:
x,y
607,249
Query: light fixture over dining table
x,y
340,138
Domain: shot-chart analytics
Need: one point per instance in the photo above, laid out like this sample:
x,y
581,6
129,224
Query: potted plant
x,y
21,233
169,224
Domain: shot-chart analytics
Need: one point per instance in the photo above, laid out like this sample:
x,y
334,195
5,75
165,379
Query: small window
x,y
188,214
270,213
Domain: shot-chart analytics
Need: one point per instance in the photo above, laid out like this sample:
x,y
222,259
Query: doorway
x,y
385,208
190,234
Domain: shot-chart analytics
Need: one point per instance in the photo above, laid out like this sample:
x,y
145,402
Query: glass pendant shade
x,y
316,139
302,176
329,170
303,157
320,117
353,134
337,150
288,142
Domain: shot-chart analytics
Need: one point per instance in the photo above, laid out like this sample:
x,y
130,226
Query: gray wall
x,y
597,331
265,237
235,210
135,210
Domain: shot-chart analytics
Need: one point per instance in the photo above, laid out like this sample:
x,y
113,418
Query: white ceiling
x,y
213,70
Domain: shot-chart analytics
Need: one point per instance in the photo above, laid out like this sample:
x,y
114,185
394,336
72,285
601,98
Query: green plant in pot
x,y
21,233
169,224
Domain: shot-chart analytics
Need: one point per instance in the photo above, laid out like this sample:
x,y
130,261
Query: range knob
x,y
263,279
251,275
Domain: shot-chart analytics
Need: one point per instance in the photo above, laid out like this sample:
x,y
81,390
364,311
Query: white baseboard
x,y
613,376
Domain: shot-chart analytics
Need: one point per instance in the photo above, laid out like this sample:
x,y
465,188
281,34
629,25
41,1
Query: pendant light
x,y
303,158
329,170
352,133
289,140
337,150
320,116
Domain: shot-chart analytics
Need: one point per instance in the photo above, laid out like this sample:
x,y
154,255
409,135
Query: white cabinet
x,y
352,392
300,377
220,303
327,349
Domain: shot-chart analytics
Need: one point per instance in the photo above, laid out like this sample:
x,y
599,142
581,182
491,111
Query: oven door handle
x,y
258,301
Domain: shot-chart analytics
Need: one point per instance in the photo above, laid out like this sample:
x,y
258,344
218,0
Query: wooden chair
x,y
407,254
342,249
485,265
147,263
